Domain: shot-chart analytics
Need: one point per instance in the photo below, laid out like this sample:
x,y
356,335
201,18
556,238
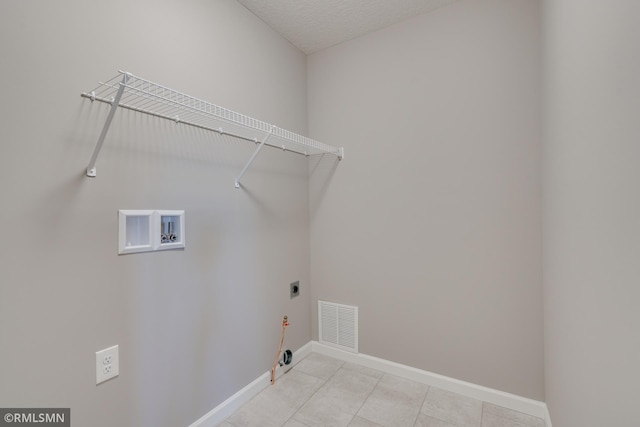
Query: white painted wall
x,y
193,326
431,224
591,212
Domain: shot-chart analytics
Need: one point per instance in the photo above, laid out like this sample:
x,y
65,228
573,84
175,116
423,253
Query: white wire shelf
x,y
131,92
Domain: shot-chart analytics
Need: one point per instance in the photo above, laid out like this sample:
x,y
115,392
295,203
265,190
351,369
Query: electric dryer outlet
x,y
294,289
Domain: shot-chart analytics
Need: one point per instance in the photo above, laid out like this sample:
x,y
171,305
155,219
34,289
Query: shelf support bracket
x,y
253,157
91,169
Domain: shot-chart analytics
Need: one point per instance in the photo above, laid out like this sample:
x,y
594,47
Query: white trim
x,y
232,404
547,417
496,397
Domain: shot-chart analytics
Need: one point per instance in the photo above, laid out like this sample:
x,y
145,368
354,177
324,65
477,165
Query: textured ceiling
x,y
313,25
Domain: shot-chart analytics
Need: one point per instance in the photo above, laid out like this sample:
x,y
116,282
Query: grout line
x,y
422,405
367,398
292,417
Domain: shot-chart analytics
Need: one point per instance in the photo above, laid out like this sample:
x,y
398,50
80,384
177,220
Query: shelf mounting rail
x,y
131,92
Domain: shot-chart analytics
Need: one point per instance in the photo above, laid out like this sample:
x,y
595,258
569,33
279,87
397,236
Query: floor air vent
x,y
338,325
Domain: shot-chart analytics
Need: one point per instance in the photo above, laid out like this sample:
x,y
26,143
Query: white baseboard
x,y
248,392
496,397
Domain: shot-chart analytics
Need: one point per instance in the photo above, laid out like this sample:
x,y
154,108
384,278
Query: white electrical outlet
x,y
107,364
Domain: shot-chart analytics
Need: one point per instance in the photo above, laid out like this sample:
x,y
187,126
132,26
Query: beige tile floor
x,y
322,391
